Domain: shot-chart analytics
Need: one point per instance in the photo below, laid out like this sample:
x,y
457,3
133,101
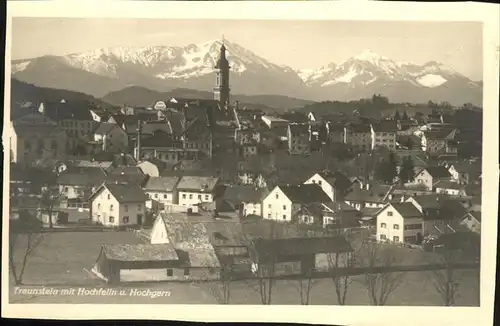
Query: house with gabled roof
x,y
110,137
118,205
450,188
472,220
121,263
192,243
440,213
245,199
400,223
80,182
298,139
299,256
162,189
437,142
383,133
371,195
465,173
429,176
196,190
284,203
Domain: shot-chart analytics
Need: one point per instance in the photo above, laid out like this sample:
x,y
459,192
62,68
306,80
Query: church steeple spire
x,y
221,89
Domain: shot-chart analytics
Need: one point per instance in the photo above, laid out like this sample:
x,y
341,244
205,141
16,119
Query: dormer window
x,y
277,196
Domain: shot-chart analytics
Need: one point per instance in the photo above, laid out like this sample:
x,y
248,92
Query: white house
x,y
162,189
384,134
400,222
111,137
450,188
118,205
283,203
195,190
327,187
429,176
472,220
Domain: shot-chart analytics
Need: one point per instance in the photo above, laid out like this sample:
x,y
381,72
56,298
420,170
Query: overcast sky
x,y
299,44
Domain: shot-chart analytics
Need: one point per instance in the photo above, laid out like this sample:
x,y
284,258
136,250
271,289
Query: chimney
x,y
403,199
367,186
138,149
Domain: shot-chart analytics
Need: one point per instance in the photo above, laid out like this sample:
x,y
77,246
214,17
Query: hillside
x,y
141,96
164,68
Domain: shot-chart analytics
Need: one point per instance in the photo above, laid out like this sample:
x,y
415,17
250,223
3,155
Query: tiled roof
x,y
448,185
126,193
126,179
104,128
237,194
438,172
222,233
129,170
467,168
385,126
299,129
377,193
407,210
81,176
92,164
266,248
29,174
70,110
358,128
294,117
161,183
476,215
160,140
151,126
197,183
140,252
305,193
38,131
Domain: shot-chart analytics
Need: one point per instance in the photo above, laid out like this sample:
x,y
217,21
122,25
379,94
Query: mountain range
x,y
164,68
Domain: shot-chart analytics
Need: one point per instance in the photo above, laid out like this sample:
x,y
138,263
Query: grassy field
x,y
63,259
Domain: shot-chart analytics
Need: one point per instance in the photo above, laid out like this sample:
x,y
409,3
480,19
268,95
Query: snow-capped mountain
x,y
161,68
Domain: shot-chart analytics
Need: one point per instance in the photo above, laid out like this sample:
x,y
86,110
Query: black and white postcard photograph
x,y
198,161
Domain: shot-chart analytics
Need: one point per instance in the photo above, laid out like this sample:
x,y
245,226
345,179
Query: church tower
x,y
221,89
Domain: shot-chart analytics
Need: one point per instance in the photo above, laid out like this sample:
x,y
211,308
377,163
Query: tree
x,y
341,281
397,116
379,280
386,169
49,200
406,173
221,289
305,284
405,116
444,281
25,237
265,271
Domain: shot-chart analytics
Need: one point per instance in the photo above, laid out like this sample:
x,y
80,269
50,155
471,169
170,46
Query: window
x,y
186,271
383,225
125,208
284,216
469,218
277,196
165,196
111,219
319,182
111,208
170,272
125,219
99,206
389,213
207,197
156,195
268,215
109,196
396,226
395,239
383,237
183,196
190,196
269,206
199,197
139,207
284,207
66,189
